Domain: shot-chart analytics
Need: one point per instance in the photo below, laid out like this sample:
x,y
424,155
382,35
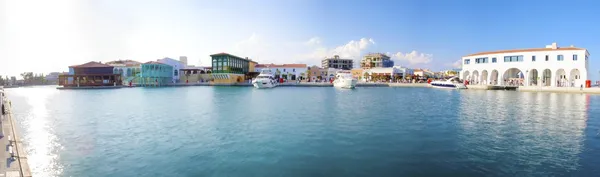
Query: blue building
x,y
155,74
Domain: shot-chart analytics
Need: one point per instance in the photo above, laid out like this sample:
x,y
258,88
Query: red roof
x,y
91,64
280,66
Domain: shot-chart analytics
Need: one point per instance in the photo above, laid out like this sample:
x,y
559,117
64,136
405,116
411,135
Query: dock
x,y
14,159
491,87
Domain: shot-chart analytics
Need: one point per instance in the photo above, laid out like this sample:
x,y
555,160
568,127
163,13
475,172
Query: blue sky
x,y
46,36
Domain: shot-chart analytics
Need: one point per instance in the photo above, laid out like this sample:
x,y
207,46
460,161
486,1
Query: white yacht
x,y
265,79
344,79
453,83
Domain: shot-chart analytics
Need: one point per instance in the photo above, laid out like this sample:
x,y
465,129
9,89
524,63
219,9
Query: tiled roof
x,y
525,50
91,64
281,66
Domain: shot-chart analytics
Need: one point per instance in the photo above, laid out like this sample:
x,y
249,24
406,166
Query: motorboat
x,y
265,79
453,83
344,79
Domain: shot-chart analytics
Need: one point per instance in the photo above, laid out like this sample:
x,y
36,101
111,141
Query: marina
x,y
227,131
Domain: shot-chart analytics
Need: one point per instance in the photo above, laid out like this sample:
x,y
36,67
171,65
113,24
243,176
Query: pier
x,y
14,159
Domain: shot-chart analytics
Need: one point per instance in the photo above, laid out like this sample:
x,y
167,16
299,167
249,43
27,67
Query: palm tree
x,y
366,76
302,75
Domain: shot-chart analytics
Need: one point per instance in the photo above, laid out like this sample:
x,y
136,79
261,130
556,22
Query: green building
x,y
227,63
155,74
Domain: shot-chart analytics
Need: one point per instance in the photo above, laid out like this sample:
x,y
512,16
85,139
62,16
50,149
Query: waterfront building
x,y
127,68
423,73
450,72
328,74
90,74
386,74
285,71
155,74
228,69
376,60
314,73
175,64
357,73
193,74
337,62
552,66
404,71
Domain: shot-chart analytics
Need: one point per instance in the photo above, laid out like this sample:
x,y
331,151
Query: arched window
x,y
175,72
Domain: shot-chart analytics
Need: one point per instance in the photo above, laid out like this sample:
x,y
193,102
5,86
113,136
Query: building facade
x,y
155,74
228,69
338,63
376,60
393,73
176,65
423,73
90,74
552,66
127,68
285,71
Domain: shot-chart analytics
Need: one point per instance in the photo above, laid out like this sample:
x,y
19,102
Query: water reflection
x,y
37,131
522,132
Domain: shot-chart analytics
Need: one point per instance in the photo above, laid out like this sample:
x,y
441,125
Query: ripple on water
x,y
234,131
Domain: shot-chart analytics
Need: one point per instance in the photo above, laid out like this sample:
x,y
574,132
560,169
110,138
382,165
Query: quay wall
x,y
19,166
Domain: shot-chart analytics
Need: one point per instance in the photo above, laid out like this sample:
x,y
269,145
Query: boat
x,y
344,79
452,83
265,79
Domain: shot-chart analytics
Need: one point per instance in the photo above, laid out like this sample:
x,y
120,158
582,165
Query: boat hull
x,y
263,84
447,85
345,83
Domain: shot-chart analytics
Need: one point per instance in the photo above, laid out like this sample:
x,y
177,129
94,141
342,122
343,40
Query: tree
x,y
366,75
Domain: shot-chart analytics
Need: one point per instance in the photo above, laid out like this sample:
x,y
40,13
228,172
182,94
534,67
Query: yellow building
x,y
357,73
231,69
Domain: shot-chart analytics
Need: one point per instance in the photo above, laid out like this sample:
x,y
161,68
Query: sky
x,y
46,36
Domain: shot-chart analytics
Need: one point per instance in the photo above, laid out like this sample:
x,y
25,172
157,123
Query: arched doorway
x,y
484,77
533,77
293,77
513,77
466,75
475,77
494,77
561,78
546,77
574,77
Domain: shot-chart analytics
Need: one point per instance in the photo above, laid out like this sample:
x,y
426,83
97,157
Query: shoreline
x,y
592,90
11,136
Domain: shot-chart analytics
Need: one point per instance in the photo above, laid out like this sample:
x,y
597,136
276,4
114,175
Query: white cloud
x,y
413,58
311,51
457,64
351,50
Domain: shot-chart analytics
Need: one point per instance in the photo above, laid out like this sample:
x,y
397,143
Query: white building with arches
x,y
551,66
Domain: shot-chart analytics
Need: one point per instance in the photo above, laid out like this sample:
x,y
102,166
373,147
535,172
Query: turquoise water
x,y
241,131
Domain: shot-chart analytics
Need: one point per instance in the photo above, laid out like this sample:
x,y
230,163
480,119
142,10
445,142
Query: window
x,y
546,57
560,58
518,58
467,61
294,70
532,58
283,69
574,57
586,57
494,60
481,60
175,72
